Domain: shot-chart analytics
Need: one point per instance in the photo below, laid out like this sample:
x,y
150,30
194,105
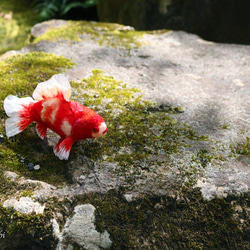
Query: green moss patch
x,y
19,75
23,231
166,223
140,133
242,148
108,34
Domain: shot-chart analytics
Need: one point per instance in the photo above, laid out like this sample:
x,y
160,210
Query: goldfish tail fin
x,y
57,86
63,147
18,109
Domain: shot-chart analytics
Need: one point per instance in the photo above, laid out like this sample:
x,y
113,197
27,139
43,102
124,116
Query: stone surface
x,y
210,82
226,181
80,228
11,175
24,205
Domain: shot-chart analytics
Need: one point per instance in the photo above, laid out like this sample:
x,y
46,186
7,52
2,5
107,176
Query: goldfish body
x,y
51,108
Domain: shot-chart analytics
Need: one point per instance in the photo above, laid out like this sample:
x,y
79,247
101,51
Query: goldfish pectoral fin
x,y
41,130
63,147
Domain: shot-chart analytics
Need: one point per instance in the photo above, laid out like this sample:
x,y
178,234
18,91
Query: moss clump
x,y
162,222
242,148
10,188
108,34
140,133
204,157
24,231
28,147
19,75
8,158
27,193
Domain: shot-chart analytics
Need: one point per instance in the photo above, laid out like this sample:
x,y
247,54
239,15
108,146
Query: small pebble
x,y
31,166
36,167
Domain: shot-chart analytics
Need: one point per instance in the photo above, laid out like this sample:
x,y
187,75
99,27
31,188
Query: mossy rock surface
x,y
173,168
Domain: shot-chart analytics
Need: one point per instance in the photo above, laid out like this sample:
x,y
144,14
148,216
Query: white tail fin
x,y
55,85
16,109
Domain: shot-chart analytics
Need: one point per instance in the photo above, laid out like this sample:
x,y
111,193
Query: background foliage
x,y
18,17
49,9
16,20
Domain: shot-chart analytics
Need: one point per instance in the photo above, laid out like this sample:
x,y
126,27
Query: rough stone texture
x,y
226,181
209,81
42,187
25,205
80,228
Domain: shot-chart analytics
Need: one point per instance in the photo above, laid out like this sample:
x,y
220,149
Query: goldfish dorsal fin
x,y
56,85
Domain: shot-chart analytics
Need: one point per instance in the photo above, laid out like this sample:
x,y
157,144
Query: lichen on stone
x,y
107,34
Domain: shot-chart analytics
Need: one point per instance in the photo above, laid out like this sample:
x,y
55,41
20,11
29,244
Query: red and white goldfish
x,y
51,108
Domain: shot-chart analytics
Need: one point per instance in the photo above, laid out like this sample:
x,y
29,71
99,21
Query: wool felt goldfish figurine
x,y
51,108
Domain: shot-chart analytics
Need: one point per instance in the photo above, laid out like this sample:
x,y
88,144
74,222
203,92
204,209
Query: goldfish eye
x,y
95,129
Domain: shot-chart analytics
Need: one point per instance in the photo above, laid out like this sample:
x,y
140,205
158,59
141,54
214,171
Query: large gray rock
x,y
209,81
80,229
